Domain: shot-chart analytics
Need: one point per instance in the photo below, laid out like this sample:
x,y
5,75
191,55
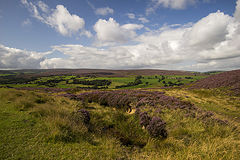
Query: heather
x,y
229,80
130,99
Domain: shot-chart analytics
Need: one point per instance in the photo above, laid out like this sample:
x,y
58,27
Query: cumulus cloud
x,y
104,11
13,58
210,30
64,22
60,19
212,43
174,4
109,32
237,10
218,40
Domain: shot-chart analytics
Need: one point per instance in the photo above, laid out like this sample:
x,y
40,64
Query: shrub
x,y
81,115
40,100
157,127
86,115
124,99
137,112
144,119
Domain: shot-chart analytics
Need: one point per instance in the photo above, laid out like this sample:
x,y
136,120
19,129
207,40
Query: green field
x,y
147,81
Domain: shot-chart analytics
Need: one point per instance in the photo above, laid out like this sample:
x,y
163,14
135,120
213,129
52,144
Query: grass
x,y
6,75
41,131
192,139
44,126
212,100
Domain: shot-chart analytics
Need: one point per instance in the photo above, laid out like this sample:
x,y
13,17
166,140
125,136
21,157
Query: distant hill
x,y
229,79
98,72
113,73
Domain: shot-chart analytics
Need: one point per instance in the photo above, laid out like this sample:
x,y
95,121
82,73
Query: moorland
x,y
119,114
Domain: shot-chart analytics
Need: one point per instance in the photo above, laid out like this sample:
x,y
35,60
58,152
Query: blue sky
x,y
195,35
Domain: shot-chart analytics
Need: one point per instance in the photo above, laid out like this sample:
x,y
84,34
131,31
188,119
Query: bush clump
x,y
81,115
144,119
157,127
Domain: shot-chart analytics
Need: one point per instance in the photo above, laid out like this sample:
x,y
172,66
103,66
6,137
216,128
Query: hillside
x,y
97,125
230,79
113,73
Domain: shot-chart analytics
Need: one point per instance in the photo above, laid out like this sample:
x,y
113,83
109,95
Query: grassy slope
x,y
212,100
38,126
24,136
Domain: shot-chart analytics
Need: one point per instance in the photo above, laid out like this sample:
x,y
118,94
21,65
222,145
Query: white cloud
x,y
109,32
131,15
104,11
121,57
86,33
210,30
64,22
60,19
132,26
237,10
13,58
143,19
26,22
210,44
33,9
174,4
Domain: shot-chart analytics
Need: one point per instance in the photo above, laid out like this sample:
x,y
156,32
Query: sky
x,y
192,35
